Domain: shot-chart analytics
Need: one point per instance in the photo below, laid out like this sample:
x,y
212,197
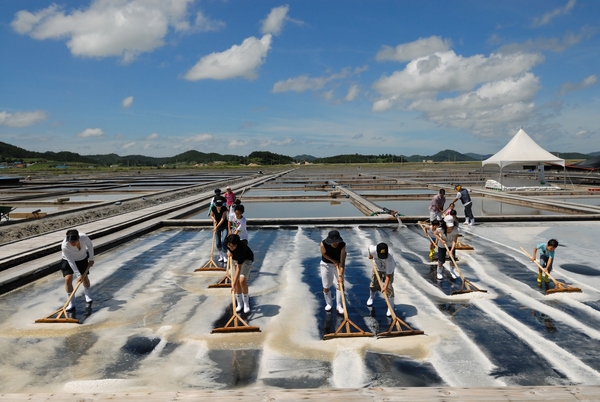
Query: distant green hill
x,y
11,153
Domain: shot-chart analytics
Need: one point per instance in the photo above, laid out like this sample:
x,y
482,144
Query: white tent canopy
x,y
522,149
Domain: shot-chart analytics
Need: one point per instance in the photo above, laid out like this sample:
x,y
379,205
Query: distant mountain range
x,y
10,153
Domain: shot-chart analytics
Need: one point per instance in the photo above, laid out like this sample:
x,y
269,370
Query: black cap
x,y
333,237
382,251
219,203
217,191
72,235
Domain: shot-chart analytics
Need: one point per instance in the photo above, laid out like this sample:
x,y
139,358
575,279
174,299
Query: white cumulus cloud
x,y
413,50
22,119
152,136
483,95
449,72
484,110
128,145
90,133
124,28
127,102
274,22
238,61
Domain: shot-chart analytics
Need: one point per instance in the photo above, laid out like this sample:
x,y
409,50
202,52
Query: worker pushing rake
x,y
62,314
347,328
235,323
546,268
383,257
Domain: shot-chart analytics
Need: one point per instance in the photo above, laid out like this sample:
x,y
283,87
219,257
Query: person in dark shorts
x,y
77,255
242,257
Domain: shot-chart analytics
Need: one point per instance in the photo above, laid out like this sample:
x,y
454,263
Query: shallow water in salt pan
x,y
153,317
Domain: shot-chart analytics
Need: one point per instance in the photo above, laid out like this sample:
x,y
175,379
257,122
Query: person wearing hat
x,y
218,214
77,255
446,236
333,263
465,198
217,196
229,196
385,264
436,207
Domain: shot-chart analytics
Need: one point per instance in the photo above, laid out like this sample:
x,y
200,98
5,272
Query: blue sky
x,y
161,77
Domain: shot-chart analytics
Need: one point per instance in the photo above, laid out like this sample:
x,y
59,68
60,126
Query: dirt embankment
x,y
17,230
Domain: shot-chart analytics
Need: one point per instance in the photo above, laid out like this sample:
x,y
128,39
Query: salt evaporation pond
x,y
151,328
293,209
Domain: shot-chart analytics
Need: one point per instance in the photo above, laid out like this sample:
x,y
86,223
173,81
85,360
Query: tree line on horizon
x,y
10,153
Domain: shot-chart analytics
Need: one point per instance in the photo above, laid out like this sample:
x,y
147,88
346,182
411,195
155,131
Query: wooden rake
x,y
61,315
397,327
225,281
235,323
558,286
211,265
467,286
345,328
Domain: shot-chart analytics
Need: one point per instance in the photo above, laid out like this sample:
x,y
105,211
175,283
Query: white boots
x,y
440,272
328,301
239,301
70,305
338,302
242,301
453,272
222,256
370,301
389,313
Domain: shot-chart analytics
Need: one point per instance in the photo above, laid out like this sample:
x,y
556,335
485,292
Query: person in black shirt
x,y
242,258
333,259
218,214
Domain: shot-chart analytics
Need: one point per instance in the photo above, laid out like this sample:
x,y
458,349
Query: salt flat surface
x,y
153,317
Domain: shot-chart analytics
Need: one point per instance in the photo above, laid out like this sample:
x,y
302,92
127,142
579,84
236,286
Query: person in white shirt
x,y
78,255
385,264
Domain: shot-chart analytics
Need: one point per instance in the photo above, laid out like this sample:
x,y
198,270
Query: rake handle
x,y
539,266
387,301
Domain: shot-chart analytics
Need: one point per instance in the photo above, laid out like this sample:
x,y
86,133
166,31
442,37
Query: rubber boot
x,y
453,272
70,305
472,222
440,272
539,278
88,294
338,302
328,301
370,301
239,302
546,279
246,300
389,313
